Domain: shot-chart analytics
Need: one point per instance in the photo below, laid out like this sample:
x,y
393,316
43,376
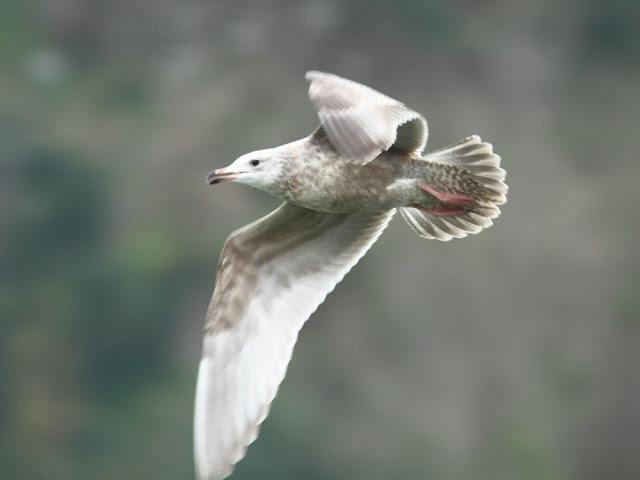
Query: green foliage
x,y
76,305
612,33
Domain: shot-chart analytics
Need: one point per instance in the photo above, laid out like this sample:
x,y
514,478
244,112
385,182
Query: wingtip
x,y
311,74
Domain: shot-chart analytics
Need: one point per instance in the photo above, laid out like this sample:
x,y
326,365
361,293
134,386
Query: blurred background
x,y
511,355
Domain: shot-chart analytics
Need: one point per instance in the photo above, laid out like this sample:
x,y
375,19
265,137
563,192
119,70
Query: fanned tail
x,y
471,186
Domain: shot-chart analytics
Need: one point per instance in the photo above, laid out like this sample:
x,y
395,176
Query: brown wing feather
x,y
272,275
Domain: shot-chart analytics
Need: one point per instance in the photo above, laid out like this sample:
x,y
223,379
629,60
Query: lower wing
x,y
273,274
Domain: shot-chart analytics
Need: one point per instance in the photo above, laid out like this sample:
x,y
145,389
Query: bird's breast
x,y
341,187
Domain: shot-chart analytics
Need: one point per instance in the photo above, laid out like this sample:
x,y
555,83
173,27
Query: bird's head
x,y
262,169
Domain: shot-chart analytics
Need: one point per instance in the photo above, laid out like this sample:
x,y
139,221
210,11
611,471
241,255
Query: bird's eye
x,y
254,163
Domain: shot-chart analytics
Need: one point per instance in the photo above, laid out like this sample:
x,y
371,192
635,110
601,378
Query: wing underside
x,y
272,276
361,122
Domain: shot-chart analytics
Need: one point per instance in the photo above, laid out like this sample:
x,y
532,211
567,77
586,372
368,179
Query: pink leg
x,y
444,211
449,199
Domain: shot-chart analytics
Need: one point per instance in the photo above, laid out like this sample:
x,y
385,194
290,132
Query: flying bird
x,y
340,187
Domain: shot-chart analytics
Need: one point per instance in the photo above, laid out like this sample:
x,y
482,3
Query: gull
x,y
340,187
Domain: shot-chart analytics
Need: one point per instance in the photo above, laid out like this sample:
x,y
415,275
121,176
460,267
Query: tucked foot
x,y
449,199
471,170
442,211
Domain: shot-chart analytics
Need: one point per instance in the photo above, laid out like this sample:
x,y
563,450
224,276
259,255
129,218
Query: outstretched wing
x,y
361,122
272,276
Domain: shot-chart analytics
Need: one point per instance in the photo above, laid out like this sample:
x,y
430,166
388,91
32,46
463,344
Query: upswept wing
x,y
272,276
361,122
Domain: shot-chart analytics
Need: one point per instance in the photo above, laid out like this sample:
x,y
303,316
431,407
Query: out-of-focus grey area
x,y
514,354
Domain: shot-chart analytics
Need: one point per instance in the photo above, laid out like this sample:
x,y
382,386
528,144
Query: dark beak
x,y
220,175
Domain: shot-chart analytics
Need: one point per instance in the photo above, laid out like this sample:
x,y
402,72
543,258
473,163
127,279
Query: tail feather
x,y
483,179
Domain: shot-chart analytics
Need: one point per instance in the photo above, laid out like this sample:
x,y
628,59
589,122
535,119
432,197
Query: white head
x,y
262,169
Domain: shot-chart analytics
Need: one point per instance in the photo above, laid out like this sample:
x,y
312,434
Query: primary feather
x,y
362,122
272,275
